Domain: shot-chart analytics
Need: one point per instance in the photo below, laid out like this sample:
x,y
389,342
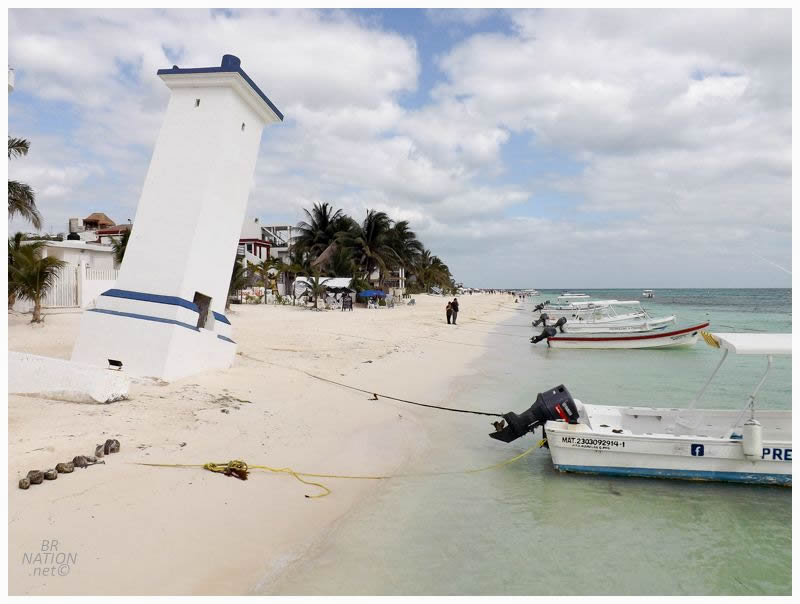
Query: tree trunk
x,y
37,310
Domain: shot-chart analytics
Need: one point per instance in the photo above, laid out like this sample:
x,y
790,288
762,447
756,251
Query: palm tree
x,y
369,242
299,264
263,270
120,245
21,199
317,286
33,276
430,270
239,279
341,263
14,245
319,229
405,245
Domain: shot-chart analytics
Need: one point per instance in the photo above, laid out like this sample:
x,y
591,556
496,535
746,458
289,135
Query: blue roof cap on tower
x,y
230,64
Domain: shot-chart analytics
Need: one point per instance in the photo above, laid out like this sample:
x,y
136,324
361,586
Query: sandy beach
x,y
136,529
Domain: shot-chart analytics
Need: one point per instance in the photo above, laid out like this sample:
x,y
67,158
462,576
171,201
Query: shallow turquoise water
x,y
526,529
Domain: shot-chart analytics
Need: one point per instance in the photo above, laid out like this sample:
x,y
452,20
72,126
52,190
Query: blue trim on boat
x,y
748,477
230,64
131,315
221,317
226,339
158,299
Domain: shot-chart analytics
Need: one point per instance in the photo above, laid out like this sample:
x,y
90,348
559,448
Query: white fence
x,y
64,293
95,283
94,274
76,287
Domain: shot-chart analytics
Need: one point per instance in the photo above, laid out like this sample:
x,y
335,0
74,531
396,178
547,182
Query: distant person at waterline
x,y
454,306
449,312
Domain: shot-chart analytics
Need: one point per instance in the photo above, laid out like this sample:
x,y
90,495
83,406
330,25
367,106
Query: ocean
x,y
525,529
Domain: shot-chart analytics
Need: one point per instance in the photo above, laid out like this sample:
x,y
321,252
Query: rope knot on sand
x,y
234,467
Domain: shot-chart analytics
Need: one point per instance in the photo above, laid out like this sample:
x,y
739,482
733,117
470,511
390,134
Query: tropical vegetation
x,y
30,274
21,199
368,250
120,245
333,244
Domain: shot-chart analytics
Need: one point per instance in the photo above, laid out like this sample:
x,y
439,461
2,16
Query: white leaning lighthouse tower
x,y
165,316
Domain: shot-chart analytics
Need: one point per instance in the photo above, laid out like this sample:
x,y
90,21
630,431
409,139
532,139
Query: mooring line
x,y
400,400
240,469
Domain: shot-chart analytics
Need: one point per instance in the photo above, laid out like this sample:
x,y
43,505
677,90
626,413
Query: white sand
x,y
143,530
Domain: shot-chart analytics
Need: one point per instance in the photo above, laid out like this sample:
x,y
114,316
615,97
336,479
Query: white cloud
x,y
680,124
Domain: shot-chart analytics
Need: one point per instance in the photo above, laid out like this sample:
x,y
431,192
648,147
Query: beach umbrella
x,y
372,292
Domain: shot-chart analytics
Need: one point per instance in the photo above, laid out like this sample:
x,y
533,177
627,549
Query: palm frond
x,y
17,147
22,202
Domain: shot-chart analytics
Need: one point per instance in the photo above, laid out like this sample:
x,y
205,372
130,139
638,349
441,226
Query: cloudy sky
x,y
527,148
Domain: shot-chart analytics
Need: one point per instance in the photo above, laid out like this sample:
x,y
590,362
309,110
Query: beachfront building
x,y
395,282
253,247
280,238
90,270
165,317
97,228
97,220
335,288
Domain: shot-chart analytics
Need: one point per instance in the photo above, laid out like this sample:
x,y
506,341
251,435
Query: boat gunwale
x,y
678,332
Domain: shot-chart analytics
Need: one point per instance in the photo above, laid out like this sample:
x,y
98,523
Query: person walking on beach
x,y
449,312
454,307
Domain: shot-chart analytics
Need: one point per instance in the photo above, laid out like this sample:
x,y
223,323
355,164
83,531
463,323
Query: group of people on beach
x,y
452,311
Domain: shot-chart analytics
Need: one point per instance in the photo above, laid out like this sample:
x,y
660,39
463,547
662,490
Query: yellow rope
x,y
710,339
241,469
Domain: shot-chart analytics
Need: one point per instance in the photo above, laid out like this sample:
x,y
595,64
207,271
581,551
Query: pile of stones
x,y
79,461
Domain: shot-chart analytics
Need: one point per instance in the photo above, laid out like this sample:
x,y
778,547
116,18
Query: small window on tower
x,y
242,126
203,303
197,102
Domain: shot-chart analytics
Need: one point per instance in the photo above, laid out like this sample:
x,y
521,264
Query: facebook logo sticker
x,y
698,450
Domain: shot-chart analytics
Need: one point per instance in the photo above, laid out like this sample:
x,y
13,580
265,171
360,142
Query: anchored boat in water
x,y
651,338
600,311
750,445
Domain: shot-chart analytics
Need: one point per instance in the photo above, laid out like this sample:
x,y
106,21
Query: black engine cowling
x,y
547,332
555,404
542,320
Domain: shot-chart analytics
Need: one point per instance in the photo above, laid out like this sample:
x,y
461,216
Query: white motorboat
x,y
648,293
674,338
600,312
749,445
570,296
640,326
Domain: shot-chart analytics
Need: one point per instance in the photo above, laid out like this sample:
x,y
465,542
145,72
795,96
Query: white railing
x,y
96,274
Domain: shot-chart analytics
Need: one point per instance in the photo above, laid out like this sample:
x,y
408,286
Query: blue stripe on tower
x,y
159,299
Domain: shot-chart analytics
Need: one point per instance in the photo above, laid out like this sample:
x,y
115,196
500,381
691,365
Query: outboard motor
x,y
538,307
555,404
560,324
542,320
547,332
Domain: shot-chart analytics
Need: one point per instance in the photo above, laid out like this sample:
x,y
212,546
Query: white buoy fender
x,y
751,440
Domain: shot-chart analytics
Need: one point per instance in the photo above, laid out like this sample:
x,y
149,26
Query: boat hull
x,y
671,339
578,448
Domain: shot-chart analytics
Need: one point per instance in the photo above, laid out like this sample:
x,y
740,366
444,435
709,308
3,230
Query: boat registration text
x,y
583,442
